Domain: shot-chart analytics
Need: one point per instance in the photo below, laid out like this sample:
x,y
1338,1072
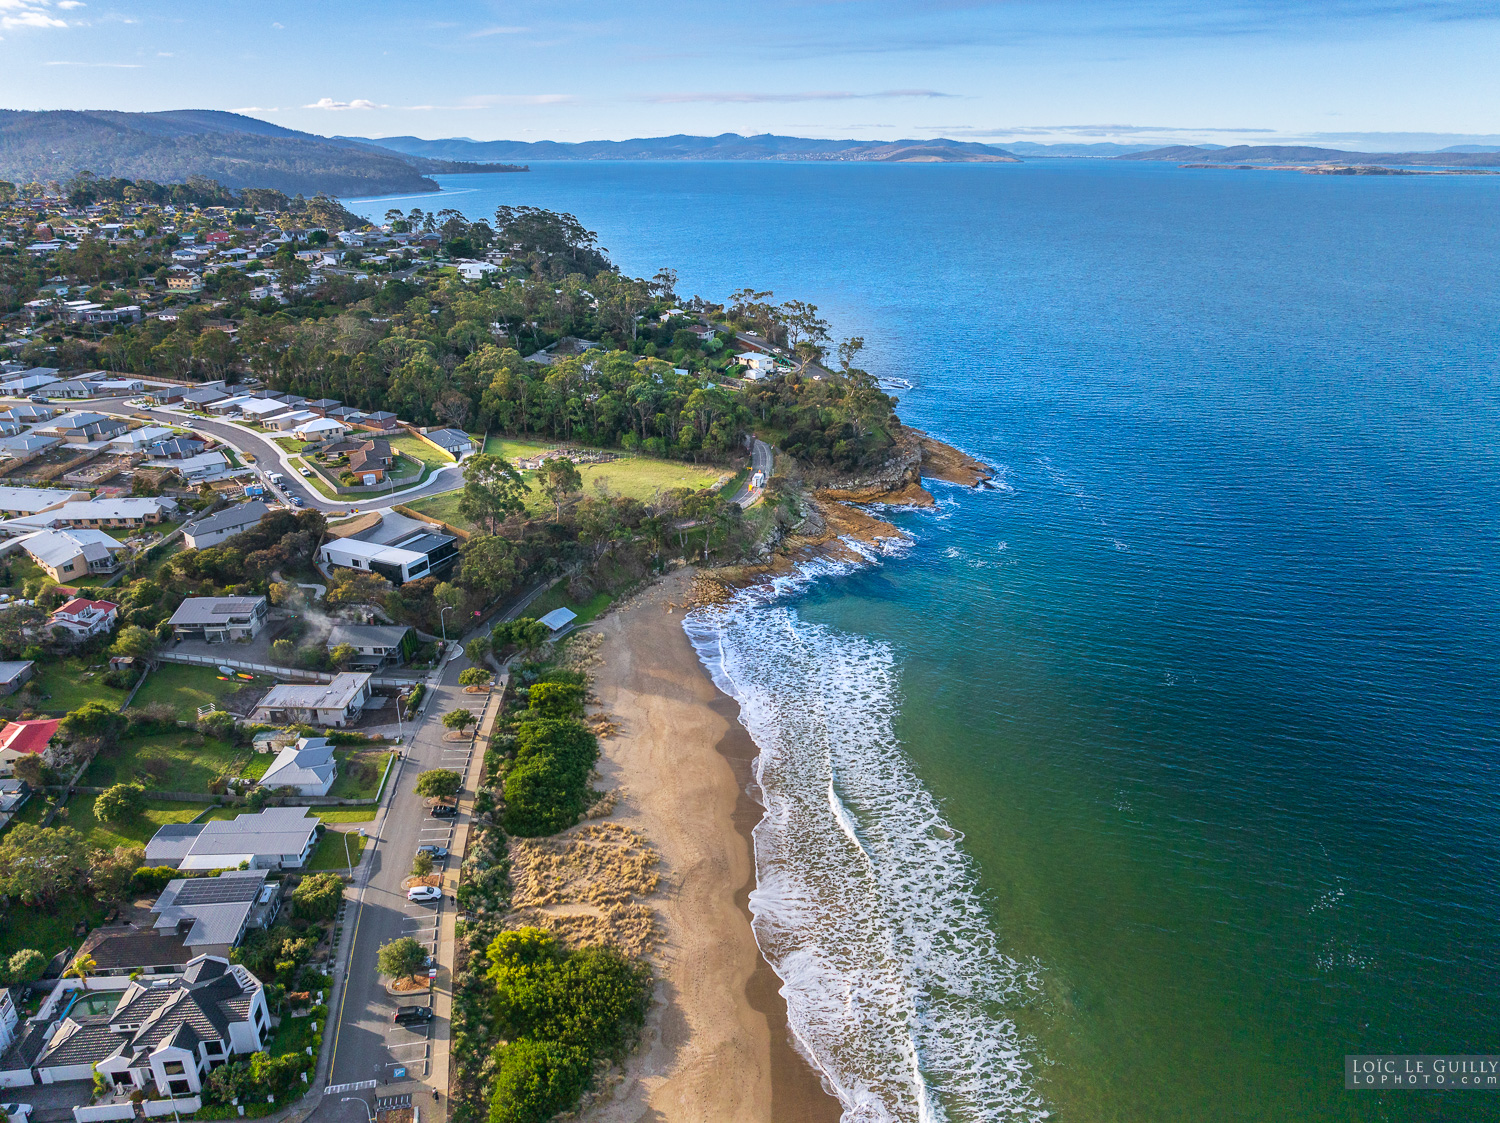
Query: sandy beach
x,y
717,1047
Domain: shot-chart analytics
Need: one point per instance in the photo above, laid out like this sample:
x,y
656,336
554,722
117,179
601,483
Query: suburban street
x,y
364,1044
761,460
270,457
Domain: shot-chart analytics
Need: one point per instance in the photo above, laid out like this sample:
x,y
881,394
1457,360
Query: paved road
x,y
761,460
270,457
366,1045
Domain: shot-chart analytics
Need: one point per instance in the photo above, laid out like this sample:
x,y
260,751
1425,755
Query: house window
x,y
173,1068
179,1087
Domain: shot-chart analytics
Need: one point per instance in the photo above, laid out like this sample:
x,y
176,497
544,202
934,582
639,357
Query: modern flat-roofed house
x,y
211,915
68,555
220,619
308,768
14,675
164,1035
378,645
226,524
335,703
455,444
27,738
417,555
276,838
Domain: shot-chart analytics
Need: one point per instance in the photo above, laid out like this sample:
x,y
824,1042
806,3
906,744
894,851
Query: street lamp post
x,y
443,620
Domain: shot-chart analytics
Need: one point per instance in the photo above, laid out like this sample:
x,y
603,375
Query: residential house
x,y
14,795
73,388
289,421
226,524
228,407
184,282
211,915
29,381
11,429
220,619
372,458
319,429
335,703
323,405
17,501
85,618
308,768
28,445
377,645
204,396
130,512
258,408
382,420
121,385
124,949
14,675
138,440
347,414
421,554
204,466
178,448
27,738
276,838
476,270
68,555
80,428
30,413
164,1038
166,395
451,441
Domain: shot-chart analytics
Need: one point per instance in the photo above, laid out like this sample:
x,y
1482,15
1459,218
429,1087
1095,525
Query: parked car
x,y
40,399
305,471
297,501
424,893
435,852
412,1015
444,811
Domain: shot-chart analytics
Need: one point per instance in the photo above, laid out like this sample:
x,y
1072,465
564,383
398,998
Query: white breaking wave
x,y
865,904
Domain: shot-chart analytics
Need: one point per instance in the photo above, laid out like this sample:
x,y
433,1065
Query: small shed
x,y
559,618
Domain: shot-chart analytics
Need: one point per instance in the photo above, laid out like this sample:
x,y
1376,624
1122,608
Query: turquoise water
x,y
1149,784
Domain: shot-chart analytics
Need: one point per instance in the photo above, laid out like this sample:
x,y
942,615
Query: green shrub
x,y
317,896
151,880
535,1080
556,699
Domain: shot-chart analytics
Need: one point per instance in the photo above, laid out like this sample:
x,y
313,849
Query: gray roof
x,y
80,1041
9,672
240,515
209,910
223,843
364,635
335,695
172,842
308,763
125,946
449,438
214,610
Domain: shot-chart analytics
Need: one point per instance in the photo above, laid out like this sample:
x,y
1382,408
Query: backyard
x,y
426,453
185,688
168,762
69,683
359,774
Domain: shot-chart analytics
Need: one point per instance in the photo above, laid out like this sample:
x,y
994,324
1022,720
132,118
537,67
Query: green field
x,y
557,597
186,688
49,930
346,814
69,683
637,477
335,849
22,569
189,768
426,453
135,832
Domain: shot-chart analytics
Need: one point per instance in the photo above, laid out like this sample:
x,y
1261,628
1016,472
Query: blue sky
x,y
1367,74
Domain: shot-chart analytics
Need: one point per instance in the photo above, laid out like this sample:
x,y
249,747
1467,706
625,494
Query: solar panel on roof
x,y
218,891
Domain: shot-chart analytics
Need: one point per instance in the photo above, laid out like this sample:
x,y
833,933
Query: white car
x,y
424,893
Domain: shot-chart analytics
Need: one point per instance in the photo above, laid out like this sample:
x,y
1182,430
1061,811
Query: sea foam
x,y
866,905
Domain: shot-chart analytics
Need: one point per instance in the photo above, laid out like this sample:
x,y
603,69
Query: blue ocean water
x,y
1173,764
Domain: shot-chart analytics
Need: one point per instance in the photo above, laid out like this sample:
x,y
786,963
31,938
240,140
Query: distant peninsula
x,y
725,146
235,150
1253,154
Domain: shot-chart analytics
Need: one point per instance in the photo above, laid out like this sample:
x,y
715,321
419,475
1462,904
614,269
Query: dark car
x,y
445,811
437,853
412,1015
40,399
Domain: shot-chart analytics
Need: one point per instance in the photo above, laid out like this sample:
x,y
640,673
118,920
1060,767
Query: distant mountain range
x,y
726,146
1296,154
236,150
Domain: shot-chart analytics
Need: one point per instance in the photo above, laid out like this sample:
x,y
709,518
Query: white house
x,y
292,420
276,838
476,270
86,618
319,429
205,465
308,768
334,703
220,619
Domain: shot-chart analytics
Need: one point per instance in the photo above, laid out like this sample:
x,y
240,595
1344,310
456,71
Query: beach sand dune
x,y
717,1047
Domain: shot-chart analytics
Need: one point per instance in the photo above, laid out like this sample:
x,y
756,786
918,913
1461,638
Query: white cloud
x,y
69,5
485,32
97,65
16,14
357,103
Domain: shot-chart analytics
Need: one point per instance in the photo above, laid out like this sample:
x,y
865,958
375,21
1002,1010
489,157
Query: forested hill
x,y
726,146
176,146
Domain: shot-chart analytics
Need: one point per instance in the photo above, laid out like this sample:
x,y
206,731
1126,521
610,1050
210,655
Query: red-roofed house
x,y
86,618
25,738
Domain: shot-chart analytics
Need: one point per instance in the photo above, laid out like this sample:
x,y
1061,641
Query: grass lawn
x,y
557,597
444,507
190,768
32,813
359,775
186,688
346,814
335,849
154,566
135,832
291,444
257,765
426,453
72,682
22,569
